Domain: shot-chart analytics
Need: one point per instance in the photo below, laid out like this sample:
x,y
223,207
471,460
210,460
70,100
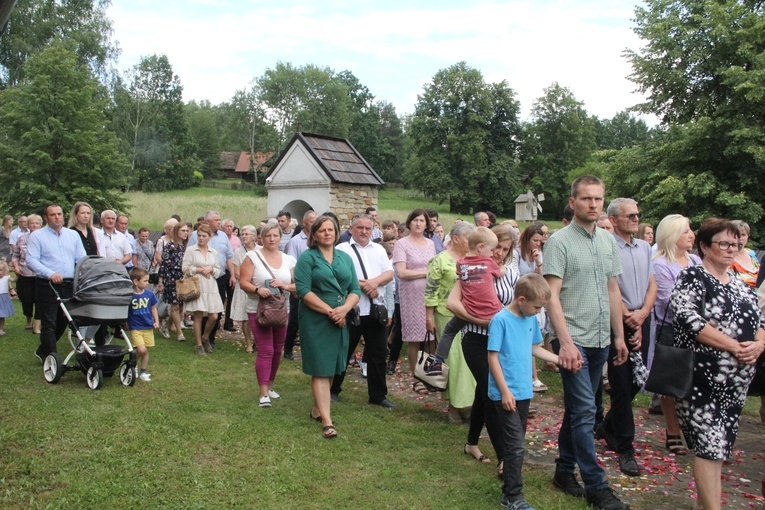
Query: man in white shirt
x,y
374,270
18,232
122,226
112,243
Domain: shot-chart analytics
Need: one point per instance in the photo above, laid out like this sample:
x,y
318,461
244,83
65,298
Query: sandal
x,y
329,432
317,418
181,338
675,445
483,458
420,388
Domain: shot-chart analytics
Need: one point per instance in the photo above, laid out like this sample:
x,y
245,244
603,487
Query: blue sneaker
x,y
516,504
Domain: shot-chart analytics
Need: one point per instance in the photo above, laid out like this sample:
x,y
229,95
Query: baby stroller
x,y
102,292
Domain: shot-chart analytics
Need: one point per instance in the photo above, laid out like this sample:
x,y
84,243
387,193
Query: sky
x,y
393,47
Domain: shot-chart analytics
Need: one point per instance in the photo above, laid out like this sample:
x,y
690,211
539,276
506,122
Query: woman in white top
x,y
202,261
264,272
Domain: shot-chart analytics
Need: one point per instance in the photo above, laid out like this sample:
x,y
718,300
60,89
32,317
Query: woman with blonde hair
x,y
674,241
265,272
81,221
201,260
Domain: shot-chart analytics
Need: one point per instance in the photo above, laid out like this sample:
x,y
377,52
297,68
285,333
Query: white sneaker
x,y
363,369
538,386
265,401
272,394
145,377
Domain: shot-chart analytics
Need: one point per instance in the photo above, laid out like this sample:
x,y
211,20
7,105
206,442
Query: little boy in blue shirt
x,y
142,318
514,336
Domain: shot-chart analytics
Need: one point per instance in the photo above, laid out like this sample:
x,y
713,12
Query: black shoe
x,y
229,328
568,483
385,403
606,499
628,465
390,368
288,355
655,409
39,355
334,397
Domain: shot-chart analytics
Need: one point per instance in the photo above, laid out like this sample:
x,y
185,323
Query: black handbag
x,y
377,311
672,368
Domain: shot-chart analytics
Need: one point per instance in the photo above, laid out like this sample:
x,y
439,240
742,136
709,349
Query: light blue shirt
x,y
49,252
220,243
512,337
297,245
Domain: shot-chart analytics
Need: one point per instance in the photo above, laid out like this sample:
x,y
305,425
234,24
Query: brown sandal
x,y
329,432
675,445
420,388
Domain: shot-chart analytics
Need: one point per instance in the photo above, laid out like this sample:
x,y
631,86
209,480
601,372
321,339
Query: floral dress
x,y
709,417
171,269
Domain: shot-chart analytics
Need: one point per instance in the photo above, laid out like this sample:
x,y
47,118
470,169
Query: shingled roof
x,y
337,157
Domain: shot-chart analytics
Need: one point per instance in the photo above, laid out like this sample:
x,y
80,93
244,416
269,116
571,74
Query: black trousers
x,y
375,350
397,342
52,320
223,290
25,286
292,325
619,422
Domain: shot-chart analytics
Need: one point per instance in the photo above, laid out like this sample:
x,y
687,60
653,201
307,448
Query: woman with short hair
x,y
265,272
717,318
326,284
239,299
25,277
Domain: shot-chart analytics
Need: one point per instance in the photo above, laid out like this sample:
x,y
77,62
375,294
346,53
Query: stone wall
x,y
347,200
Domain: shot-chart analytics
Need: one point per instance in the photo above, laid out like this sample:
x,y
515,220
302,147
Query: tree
x,y
702,66
559,139
148,116
54,146
34,24
202,121
463,136
623,130
307,98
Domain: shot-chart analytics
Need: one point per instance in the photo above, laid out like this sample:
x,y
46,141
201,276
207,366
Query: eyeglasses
x,y
633,216
724,245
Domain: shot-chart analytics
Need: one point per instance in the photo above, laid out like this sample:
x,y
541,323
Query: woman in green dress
x,y
328,289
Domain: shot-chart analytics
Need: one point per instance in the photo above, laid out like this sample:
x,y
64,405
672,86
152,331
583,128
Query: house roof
x,y
228,160
337,157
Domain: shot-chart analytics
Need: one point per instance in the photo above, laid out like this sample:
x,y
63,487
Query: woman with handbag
x,y
201,260
266,275
674,242
475,341
239,299
170,271
717,318
442,273
326,283
410,261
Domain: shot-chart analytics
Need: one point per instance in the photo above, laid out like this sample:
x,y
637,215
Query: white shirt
x,y
376,262
15,234
114,246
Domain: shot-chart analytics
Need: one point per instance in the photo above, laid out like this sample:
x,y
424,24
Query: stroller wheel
x,y
95,378
127,375
52,368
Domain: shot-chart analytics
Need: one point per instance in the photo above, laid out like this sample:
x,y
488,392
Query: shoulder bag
x,y
432,382
187,289
672,367
377,311
272,311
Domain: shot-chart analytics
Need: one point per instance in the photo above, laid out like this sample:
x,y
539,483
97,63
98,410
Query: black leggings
x,y
474,348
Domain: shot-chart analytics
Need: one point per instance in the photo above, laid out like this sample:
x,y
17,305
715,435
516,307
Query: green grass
x,y
195,438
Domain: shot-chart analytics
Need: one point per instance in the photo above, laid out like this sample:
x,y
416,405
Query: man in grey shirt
x,y
638,288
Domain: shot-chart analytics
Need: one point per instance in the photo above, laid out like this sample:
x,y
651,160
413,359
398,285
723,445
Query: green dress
x,y
324,346
442,275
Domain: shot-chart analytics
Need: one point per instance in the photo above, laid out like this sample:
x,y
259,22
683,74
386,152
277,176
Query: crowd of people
x,y
590,300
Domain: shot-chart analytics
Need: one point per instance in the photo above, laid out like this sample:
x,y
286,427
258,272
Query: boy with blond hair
x,y
476,273
142,318
514,336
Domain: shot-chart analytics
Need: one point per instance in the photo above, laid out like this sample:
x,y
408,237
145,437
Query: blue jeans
x,y
576,444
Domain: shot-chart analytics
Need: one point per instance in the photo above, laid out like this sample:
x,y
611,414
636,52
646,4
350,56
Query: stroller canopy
x,y
102,281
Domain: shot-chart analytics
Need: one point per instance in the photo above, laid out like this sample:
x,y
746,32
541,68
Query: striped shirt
x,y
505,291
584,262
